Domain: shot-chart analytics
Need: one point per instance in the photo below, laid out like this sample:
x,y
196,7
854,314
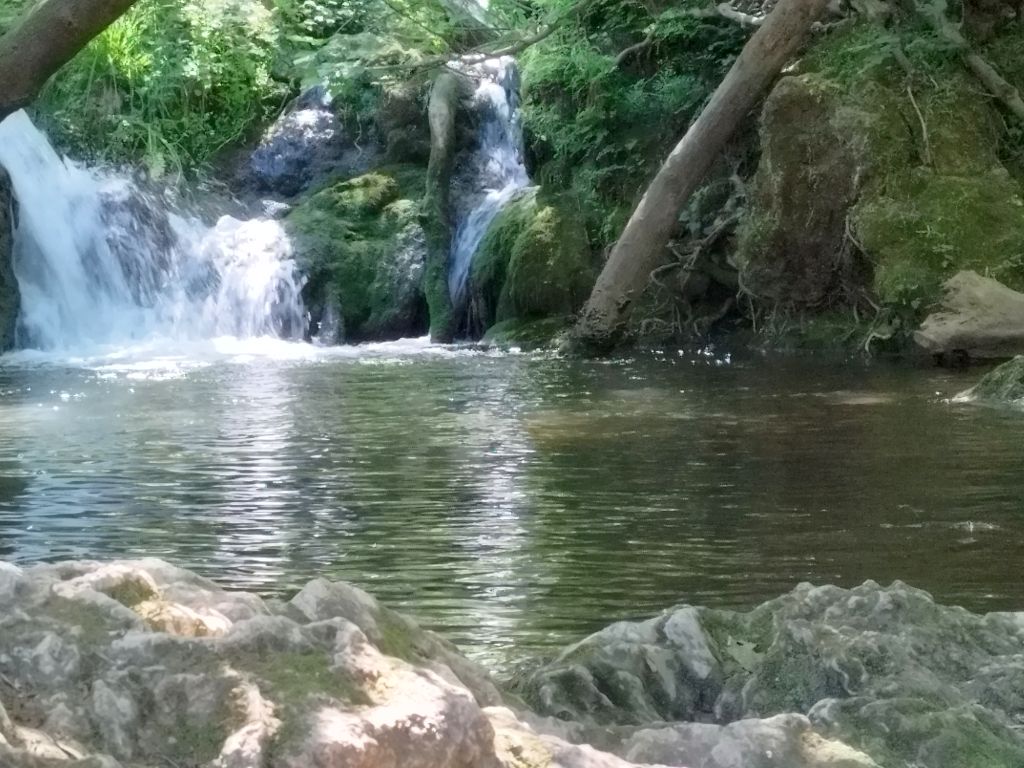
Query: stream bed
x,y
513,502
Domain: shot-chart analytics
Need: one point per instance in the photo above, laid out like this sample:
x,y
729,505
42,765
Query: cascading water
x,y
495,171
100,262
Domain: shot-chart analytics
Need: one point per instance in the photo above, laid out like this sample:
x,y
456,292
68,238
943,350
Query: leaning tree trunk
x,y
639,247
45,40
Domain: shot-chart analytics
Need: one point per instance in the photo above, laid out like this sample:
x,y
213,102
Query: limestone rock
x,y
979,317
885,670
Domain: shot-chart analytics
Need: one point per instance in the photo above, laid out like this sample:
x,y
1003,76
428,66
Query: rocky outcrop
x,y
978,318
137,664
884,669
10,300
308,142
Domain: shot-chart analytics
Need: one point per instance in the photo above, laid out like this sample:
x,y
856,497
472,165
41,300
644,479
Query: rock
x,y
364,251
306,143
819,678
793,246
10,298
1001,386
885,670
979,317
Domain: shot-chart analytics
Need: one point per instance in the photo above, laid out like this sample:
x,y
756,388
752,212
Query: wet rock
x,y
1001,386
979,317
308,142
10,299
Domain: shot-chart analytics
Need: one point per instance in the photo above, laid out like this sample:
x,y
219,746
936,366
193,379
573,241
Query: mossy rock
x,y
361,245
527,334
533,263
883,193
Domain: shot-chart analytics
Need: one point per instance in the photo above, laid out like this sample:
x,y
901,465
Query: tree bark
x,y
638,249
45,40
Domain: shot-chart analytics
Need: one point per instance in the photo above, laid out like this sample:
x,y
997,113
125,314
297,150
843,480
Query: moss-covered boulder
x,y
793,247
9,296
873,184
362,247
533,263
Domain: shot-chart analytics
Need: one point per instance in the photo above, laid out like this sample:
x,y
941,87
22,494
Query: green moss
x,y
348,237
528,334
533,263
289,678
198,743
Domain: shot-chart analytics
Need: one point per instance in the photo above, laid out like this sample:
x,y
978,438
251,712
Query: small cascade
x,y
100,261
495,171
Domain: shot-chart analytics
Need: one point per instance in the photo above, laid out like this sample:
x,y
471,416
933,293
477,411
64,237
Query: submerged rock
x,y
10,300
884,669
979,317
1002,386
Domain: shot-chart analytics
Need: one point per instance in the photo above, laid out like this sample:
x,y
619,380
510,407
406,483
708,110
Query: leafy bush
x,y
170,83
599,127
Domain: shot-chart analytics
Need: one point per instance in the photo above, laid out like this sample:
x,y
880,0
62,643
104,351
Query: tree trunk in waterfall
x,y
436,211
45,40
642,241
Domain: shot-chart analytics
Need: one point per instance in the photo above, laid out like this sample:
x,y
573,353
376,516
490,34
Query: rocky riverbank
x,y
144,664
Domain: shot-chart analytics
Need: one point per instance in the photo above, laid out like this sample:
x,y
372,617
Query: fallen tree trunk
x,y
642,241
47,39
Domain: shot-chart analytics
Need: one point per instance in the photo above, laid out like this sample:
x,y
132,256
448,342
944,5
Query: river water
x,y
513,502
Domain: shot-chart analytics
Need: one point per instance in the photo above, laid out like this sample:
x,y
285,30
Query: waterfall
x,y
495,171
100,261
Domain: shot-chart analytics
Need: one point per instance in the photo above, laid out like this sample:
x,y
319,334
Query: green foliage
x,y
600,128
170,83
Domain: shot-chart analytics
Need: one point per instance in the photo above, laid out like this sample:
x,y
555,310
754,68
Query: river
x,y
513,502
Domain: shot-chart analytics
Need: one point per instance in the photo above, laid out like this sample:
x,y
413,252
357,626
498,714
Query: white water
x,y
496,167
101,264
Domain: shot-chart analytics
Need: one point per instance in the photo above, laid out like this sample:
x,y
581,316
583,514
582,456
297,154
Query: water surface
x,y
514,502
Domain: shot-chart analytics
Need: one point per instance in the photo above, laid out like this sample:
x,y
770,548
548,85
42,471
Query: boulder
x,y
534,263
898,679
361,245
10,299
978,317
794,247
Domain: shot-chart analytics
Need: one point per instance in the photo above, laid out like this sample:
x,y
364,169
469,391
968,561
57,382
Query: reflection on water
x,y
513,502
